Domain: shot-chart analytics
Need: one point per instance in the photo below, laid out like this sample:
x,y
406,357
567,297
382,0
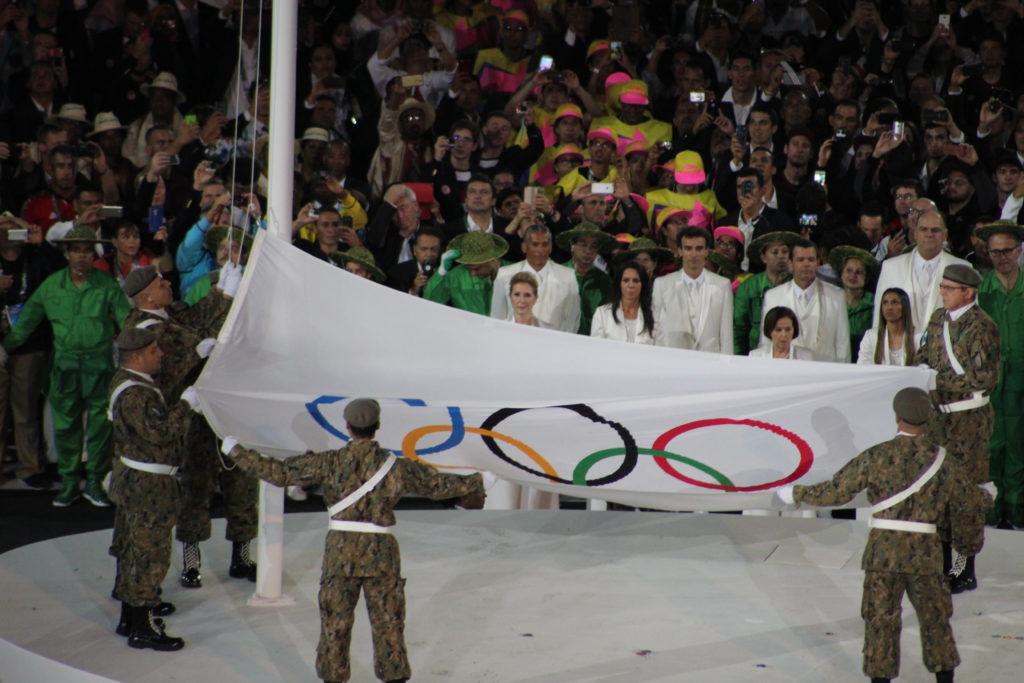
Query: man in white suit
x,y
693,306
558,298
819,306
919,273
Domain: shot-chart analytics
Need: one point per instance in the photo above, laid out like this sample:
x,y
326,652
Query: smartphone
x,y
741,135
944,20
602,188
546,62
111,212
935,115
190,119
746,188
174,160
885,118
616,49
809,219
314,211
346,221
17,235
819,177
840,134
530,193
844,64
995,106
897,128
412,81
155,218
696,96
337,82
974,69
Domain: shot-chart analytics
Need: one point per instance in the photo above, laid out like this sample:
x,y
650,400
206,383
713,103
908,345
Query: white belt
x,y
151,467
976,401
900,525
360,527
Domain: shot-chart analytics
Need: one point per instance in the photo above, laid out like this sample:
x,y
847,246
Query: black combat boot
x,y
148,632
965,580
242,566
880,680
190,576
164,608
124,624
944,676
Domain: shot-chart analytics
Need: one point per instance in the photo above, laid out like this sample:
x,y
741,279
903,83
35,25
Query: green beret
x,y
964,275
135,338
912,405
138,280
362,413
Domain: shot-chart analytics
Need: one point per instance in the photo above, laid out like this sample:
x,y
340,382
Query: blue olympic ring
x,y
456,437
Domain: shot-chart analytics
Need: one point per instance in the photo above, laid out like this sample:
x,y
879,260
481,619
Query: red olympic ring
x,y
806,454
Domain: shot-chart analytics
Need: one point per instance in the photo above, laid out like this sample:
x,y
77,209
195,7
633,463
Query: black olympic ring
x,y
629,458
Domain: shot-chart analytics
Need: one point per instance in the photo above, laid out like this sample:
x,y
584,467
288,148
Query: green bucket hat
x,y
219,233
606,242
1000,228
478,247
838,257
81,233
757,245
726,268
641,245
363,257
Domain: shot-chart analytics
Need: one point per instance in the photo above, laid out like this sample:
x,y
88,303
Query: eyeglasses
x,y
518,28
1003,252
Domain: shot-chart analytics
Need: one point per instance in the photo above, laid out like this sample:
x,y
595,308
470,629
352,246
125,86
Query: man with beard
x,y
966,194
403,150
468,286
799,152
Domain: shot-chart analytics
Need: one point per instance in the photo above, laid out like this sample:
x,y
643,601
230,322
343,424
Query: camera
x,y
84,149
840,134
556,76
819,177
314,211
696,96
111,212
522,109
974,69
240,200
742,136
935,116
173,160
897,128
346,221
747,188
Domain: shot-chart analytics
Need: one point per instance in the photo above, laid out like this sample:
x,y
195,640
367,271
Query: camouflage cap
x,y
138,280
964,275
362,413
912,405
134,338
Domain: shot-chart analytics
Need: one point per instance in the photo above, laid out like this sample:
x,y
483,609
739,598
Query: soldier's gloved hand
x,y
204,347
989,487
490,479
191,397
785,494
230,278
448,260
228,445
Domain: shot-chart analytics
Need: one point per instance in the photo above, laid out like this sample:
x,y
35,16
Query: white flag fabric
x,y
640,425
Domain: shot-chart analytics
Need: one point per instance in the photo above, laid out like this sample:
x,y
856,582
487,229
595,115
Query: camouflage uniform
x,y
145,430
897,561
355,561
975,339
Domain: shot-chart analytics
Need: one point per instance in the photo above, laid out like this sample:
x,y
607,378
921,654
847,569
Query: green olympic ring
x,y
579,475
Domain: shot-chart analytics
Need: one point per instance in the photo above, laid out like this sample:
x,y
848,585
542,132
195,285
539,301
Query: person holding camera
x,y
164,98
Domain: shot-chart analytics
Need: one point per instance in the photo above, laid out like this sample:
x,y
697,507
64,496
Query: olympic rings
x,y
409,450
806,454
629,444
457,428
584,465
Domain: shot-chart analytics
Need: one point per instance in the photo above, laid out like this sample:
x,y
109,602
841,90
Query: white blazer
x,y
796,352
898,271
866,353
603,326
558,298
714,321
824,328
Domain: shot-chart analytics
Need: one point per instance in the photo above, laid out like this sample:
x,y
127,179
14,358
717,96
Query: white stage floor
x,y
516,597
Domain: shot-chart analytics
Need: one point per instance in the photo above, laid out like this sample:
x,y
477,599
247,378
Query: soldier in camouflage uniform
x,y
143,485
186,338
360,552
968,370
915,490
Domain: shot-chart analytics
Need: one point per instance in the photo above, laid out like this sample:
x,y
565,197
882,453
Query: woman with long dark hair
x,y
894,340
628,317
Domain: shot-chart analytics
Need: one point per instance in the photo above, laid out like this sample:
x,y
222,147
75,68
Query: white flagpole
x,y
284,33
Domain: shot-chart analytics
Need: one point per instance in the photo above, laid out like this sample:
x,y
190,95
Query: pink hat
x,y
615,79
634,92
700,217
640,201
666,214
603,134
730,231
689,168
568,109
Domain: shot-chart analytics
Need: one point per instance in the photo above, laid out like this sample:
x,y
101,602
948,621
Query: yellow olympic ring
x,y
413,437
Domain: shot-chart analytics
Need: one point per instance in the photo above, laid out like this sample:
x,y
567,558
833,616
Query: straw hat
x,y
759,243
838,257
1000,228
478,247
71,112
605,241
413,103
644,245
105,120
81,233
726,268
166,81
316,134
363,257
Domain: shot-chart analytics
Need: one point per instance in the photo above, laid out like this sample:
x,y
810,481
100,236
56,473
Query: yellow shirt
x,y
663,198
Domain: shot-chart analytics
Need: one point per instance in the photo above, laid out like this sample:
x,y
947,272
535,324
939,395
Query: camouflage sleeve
x,y
847,483
426,481
981,364
968,506
143,410
207,315
299,469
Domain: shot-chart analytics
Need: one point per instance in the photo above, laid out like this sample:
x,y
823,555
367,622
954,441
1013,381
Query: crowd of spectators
x,y
716,149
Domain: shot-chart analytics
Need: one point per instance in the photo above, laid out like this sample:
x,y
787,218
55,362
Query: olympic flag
x,y
639,425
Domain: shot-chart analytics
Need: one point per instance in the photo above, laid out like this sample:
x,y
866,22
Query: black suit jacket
x,y
401,276
770,220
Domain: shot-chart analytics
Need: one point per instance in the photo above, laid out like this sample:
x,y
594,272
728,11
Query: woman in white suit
x,y
782,327
898,341
628,317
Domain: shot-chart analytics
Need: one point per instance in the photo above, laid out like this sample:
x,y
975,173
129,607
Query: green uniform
x,y
461,290
964,432
860,321
1006,464
746,312
595,290
897,561
356,561
85,320
145,431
